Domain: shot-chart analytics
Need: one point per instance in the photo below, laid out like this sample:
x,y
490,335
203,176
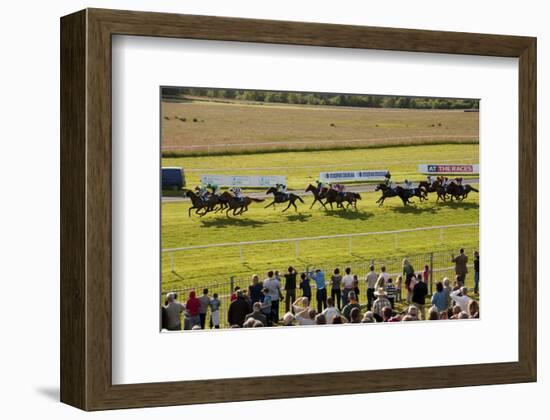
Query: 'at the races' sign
x,y
365,175
448,169
243,180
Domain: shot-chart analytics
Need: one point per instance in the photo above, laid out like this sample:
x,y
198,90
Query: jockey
x,y
213,187
430,180
281,188
203,192
340,188
459,183
320,185
387,180
237,192
408,186
445,182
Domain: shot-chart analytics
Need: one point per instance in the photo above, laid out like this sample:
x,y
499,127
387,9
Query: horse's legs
x,y
270,204
287,207
190,208
314,201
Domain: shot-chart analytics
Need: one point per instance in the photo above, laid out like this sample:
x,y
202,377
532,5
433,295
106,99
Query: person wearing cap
x,y
461,298
174,310
380,303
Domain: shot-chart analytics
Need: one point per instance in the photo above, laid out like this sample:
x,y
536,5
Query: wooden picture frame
x,y
86,360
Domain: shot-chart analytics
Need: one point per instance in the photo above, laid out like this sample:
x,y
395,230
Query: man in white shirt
x,y
330,311
347,283
370,279
173,312
304,314
461,298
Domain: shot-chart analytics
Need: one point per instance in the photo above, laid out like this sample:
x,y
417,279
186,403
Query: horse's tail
x,y
473,189
299,198
257,200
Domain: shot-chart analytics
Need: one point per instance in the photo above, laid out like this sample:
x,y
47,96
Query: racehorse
x,y
333,196
351,198
460,192
388,192
196,203
318,194
436,187
240,205
281,197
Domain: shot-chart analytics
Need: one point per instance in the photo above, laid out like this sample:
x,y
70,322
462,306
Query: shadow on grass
x,y
461,205
349,214
298,217
231,222
414,209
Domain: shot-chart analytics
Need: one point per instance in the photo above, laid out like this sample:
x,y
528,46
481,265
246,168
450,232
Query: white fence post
x,y
350,245
172,261
297,249
241,252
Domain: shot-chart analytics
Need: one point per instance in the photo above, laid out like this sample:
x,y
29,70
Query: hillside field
x,y
199,127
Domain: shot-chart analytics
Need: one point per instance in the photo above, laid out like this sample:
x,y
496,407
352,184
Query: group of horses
x,y
326,196
452,191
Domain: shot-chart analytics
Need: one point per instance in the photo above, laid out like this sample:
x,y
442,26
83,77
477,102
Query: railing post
x,y
231,286
396,241
431,272
172,261
241,253
440,235
297,250
350,245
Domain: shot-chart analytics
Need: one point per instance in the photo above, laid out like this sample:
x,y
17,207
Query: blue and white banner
x,y
449,169
243,180
365,175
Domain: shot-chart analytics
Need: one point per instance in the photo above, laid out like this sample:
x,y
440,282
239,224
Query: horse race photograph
x,y
291,209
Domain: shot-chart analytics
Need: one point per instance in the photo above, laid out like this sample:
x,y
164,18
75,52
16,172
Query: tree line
x,y
333,99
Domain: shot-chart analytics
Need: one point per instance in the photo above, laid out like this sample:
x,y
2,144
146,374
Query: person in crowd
x,y
381,282
335,288
258,324
408,269
368,318
356,287
352,303
439,298
463,315
205,303
461,266
370,280
455,311
347,283
273,286
303,313
330,311
238,309
444,315
447,289
234,294
255,289
288,319
420,291
257,314
399,287
305,286
412,311
339,319
426,274
320,319
192,308
174,310
379,304
215,311
476,272
290,287
391,292
249,323
266,306
321,292
433,314
461,298
409,318
164,317
384,274
387,313
355,316
473,309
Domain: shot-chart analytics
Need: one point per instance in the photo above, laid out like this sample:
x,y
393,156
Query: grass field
x,y
217,264
214,128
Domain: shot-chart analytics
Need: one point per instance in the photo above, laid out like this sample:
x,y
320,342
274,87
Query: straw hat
x,y
380,292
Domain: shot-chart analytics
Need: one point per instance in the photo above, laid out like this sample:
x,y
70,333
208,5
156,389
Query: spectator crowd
x,y
258,305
